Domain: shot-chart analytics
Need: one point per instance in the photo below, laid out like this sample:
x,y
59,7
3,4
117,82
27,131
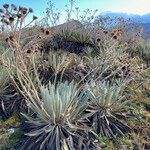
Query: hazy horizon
x,y
139,7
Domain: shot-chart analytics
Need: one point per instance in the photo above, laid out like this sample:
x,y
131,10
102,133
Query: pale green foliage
x,y
66,34
62,101
76,36
81,37
105,106
61,107
59,102
57,62
104,95
144,51
101,64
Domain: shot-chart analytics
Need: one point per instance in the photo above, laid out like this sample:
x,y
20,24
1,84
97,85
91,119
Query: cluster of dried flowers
x,y
38,46
12,25
114,33
12,19
12,13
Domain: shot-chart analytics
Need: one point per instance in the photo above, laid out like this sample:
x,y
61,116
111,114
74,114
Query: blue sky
x,y
128,6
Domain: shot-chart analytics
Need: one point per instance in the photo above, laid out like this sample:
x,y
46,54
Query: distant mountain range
x,y
143,19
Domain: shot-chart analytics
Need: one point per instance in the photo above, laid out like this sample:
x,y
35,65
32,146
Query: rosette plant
x,y
62,66
58,124
106,106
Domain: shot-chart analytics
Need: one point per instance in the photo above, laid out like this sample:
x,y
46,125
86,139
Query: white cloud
x,y
133,6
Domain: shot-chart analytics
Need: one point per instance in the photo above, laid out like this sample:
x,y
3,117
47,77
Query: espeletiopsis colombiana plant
x,y
58,124
105,105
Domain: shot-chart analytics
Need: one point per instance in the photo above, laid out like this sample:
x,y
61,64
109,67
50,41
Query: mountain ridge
x,y
135,17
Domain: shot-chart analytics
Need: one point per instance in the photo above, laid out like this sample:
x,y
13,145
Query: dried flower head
x,y
35,17
6,39
118,34
138,35
15,9
20,8
98,40
11,19
112,33
11,38
47,32
24,10
29,51
1,10
2,20
19,15
30,10
115,37
6,22
105,31
39,37
6,6
14,15
13,5
35,51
